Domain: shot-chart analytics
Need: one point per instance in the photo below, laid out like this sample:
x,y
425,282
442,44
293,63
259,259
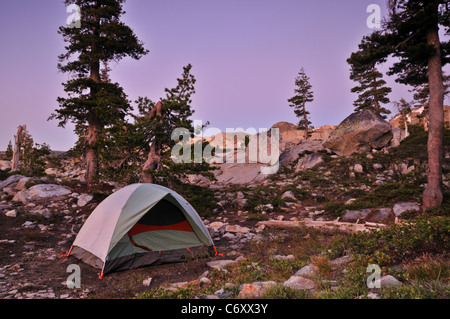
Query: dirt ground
x,y
31,266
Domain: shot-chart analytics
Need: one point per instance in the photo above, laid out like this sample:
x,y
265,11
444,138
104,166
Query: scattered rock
x,y
381,214
84,199
308,271
288,195
216,224
220,264
360,132
389,281
10,180
147,281
300,283
11,213
51,171
255,290
4,165
236,229
405,169
402,207
358,168
27,223
229,236
239,203
237,173
22,183
281,257
307,162
41,191
290,151
354,215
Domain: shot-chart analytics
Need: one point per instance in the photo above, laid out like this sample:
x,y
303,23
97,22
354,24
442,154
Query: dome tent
x,y
141,225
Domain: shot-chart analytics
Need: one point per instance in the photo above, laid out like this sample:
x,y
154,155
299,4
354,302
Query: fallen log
x,y
332,225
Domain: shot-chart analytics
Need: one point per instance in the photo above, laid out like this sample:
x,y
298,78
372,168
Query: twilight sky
x,y
245,56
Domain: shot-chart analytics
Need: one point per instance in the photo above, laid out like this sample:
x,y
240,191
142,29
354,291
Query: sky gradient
x,y
245,56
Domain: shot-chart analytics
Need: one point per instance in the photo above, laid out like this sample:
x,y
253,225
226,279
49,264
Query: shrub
x,y
334,208
398,242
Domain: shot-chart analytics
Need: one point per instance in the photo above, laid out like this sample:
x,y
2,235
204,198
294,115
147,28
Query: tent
x,y
141,225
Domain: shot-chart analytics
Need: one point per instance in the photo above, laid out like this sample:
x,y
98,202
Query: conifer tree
x,y
93,104
411,35
9,152
414,28
404,109
371,89
303,94
157,122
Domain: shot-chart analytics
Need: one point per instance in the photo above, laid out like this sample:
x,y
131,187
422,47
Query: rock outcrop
x,y
358,133
41,192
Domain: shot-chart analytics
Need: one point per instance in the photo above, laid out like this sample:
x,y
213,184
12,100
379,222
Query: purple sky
x,y
245,56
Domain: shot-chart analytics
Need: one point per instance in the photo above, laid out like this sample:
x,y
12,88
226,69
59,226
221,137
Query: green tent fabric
x,y
140,225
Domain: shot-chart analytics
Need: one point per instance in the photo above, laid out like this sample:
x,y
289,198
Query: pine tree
x,y
303,95
93,104
414,26
157,123
404,109
422,92
33,157
371,89
9,152
411,35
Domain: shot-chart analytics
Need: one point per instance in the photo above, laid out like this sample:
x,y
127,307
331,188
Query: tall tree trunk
x,y
91,152
94,125
154,156
432,196
21,132
375,100
305,118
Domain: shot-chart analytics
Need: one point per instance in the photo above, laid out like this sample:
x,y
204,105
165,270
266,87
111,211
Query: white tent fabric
x,y
108,225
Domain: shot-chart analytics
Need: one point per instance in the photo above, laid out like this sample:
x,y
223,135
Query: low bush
x,y
399,242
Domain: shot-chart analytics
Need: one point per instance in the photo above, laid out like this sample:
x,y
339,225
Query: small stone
x,y
288,195
229,236
216,224
389,281
236,229
354,215
204,281
220,264
373,295
84,199
147,281
255,290
358,168
381,214
300,283
307,271
281,257
11,213
27,223
402,207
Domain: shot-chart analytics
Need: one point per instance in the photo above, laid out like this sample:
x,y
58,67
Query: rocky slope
x,y
315,198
